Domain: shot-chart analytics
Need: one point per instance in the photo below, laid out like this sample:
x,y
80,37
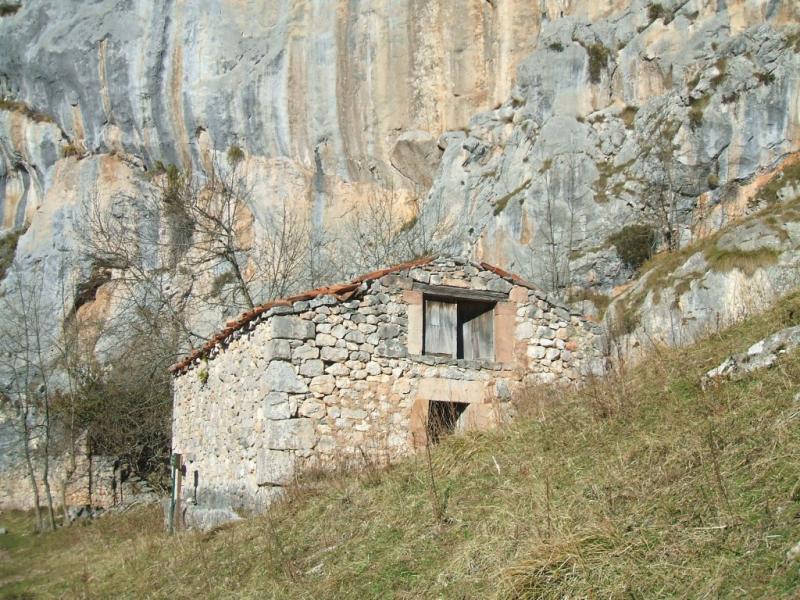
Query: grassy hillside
x,y
640,486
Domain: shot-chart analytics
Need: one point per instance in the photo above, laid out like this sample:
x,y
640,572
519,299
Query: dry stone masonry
x,y
368,373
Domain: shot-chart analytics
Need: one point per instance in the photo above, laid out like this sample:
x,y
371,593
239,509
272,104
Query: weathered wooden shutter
x,y
441,327
478,335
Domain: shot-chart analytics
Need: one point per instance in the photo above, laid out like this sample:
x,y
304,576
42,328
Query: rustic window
x,y
459,328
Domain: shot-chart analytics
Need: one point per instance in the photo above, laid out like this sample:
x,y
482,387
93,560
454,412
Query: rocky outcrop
x,y
334,103
318,94
663,113
761,355
719,281
526,134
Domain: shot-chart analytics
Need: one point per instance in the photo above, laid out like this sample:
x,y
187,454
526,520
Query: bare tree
x,y
282,255
68,347
384,230
27,365
320,264
559,196
218,211
373,234
658,166
137,244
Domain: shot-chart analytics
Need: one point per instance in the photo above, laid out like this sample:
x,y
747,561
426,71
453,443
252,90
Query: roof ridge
x,y
246,317
339,290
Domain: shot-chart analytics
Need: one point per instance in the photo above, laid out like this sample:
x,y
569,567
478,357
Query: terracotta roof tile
x,y
342,291
506,275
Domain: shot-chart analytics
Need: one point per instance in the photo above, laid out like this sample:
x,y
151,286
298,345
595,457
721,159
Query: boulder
x,y
205,519
761,355
416,155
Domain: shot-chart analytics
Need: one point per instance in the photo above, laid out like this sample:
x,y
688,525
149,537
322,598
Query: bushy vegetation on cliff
x,y
642,485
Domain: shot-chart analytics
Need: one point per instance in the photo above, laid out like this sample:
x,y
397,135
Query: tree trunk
x,y
46,469
231,258
32,475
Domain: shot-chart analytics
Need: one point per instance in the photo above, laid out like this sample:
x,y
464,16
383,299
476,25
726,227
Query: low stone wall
x,y
326,382
89,483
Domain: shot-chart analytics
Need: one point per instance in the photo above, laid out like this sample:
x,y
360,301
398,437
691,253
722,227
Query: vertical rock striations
x,y
534,130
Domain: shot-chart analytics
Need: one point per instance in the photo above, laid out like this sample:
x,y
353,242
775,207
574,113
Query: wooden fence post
x,y
175,516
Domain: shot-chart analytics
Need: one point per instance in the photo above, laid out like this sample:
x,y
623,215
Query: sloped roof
x,y
342,291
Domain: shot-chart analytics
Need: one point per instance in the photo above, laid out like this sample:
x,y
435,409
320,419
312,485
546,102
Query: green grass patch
x,y
697,107
603,192
722,68
793,41
600,300
765,78
788,174
628,115
639,485
748,262
70,149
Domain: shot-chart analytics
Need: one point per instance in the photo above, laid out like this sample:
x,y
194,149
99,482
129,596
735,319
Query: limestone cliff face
x,y
683,108
534,130
318,93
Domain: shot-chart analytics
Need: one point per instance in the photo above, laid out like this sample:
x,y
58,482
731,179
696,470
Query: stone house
x,y
369,370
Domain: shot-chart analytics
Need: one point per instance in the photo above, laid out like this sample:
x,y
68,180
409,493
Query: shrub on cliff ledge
x,y
657,11
598,60
634,244
70,149
8,247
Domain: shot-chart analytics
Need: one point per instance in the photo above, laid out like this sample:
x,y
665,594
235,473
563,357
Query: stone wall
x,y
325,382
90,481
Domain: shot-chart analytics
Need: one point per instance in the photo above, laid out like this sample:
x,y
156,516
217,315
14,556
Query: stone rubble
x,y
761,355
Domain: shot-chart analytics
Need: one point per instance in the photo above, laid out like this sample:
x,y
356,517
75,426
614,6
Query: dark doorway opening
x,y
444,418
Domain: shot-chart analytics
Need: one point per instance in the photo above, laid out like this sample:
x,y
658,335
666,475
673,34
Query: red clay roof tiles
x,y
341,291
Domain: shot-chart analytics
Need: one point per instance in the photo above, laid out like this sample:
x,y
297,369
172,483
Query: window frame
x,y
460,297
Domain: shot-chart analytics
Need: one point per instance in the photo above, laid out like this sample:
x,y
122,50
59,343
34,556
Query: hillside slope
x,y
640,486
